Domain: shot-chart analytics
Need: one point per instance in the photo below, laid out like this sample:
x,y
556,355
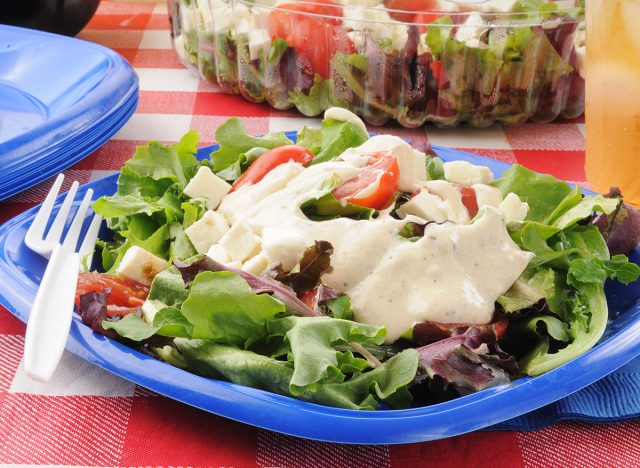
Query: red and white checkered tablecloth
x,y
89,417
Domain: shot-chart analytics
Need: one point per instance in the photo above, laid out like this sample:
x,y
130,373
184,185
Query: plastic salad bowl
x,y
21,271
495,61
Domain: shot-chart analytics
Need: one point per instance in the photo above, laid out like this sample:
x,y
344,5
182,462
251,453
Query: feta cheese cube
x,y
283,247
486,195
498,6
256,265
473,28
140,265
208,185
240,242
424,205
465,173
235,264
150,308
217,253
514,209
258,40
207,230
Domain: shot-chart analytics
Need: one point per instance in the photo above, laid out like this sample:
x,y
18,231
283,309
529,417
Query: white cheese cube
x,y
235,264
140,265
424,205
473,28
358,38
581,60
486,195
256,265
423,48
283,247
218,253
498,6
240,242
150,308
207,230
513,209
344,115
465,173
208,185
258,40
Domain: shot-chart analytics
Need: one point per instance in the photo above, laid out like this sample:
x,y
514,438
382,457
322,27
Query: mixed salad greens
x,y
415,61
285,327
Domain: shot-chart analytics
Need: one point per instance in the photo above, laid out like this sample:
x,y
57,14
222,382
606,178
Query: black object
x,y
66,17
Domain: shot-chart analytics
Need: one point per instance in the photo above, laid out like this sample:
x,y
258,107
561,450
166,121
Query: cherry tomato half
x,y
124,293
382,169
271,159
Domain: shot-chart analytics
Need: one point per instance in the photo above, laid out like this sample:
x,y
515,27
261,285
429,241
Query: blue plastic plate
x,y
60,99
21,270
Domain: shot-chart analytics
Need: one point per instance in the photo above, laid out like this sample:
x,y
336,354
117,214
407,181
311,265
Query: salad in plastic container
x,y
204,38
415,61
351,270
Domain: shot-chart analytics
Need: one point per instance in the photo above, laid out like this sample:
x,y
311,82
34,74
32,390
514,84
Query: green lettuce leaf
x,y
169,321
310,138
362,391
168,287
435,168
337,136
222,307
319,98
234,141
313,342
542,192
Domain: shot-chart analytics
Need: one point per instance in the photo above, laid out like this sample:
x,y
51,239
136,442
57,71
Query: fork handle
x,y
51,314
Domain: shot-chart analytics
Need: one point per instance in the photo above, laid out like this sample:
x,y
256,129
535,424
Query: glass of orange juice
x,y
613,96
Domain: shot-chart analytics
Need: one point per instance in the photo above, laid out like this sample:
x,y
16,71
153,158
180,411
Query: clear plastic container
x,y
445,67
183,33
204,39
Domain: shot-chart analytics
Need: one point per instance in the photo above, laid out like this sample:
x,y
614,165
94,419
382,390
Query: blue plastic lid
x,y
55,93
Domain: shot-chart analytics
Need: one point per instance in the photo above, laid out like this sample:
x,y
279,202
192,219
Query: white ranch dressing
x,y
390,279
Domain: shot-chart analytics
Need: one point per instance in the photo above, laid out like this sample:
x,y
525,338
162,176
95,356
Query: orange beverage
x,y
613,96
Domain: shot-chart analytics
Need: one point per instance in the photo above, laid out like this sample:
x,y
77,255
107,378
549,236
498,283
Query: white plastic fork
x,y
52,310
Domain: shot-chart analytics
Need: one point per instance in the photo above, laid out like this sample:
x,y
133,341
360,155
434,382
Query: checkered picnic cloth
x,y
86,416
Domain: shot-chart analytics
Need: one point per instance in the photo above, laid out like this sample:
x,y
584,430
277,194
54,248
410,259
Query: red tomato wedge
x,y
405,6
315,38
469,199
382,169
124,293
437,69
272,158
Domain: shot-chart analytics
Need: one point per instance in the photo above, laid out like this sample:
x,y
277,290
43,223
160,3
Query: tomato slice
x,y
124,293
316,38
271,159
469,199
437,69
382,169
310,297
401,8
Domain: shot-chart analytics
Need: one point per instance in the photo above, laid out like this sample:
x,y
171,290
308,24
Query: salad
x,y
413,61
352,270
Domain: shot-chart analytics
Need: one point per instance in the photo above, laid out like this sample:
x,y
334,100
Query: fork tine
x,y
73,234
89,242
36,230
55,232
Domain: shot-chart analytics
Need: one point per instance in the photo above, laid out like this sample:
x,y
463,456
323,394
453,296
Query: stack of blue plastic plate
x,y
60,99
